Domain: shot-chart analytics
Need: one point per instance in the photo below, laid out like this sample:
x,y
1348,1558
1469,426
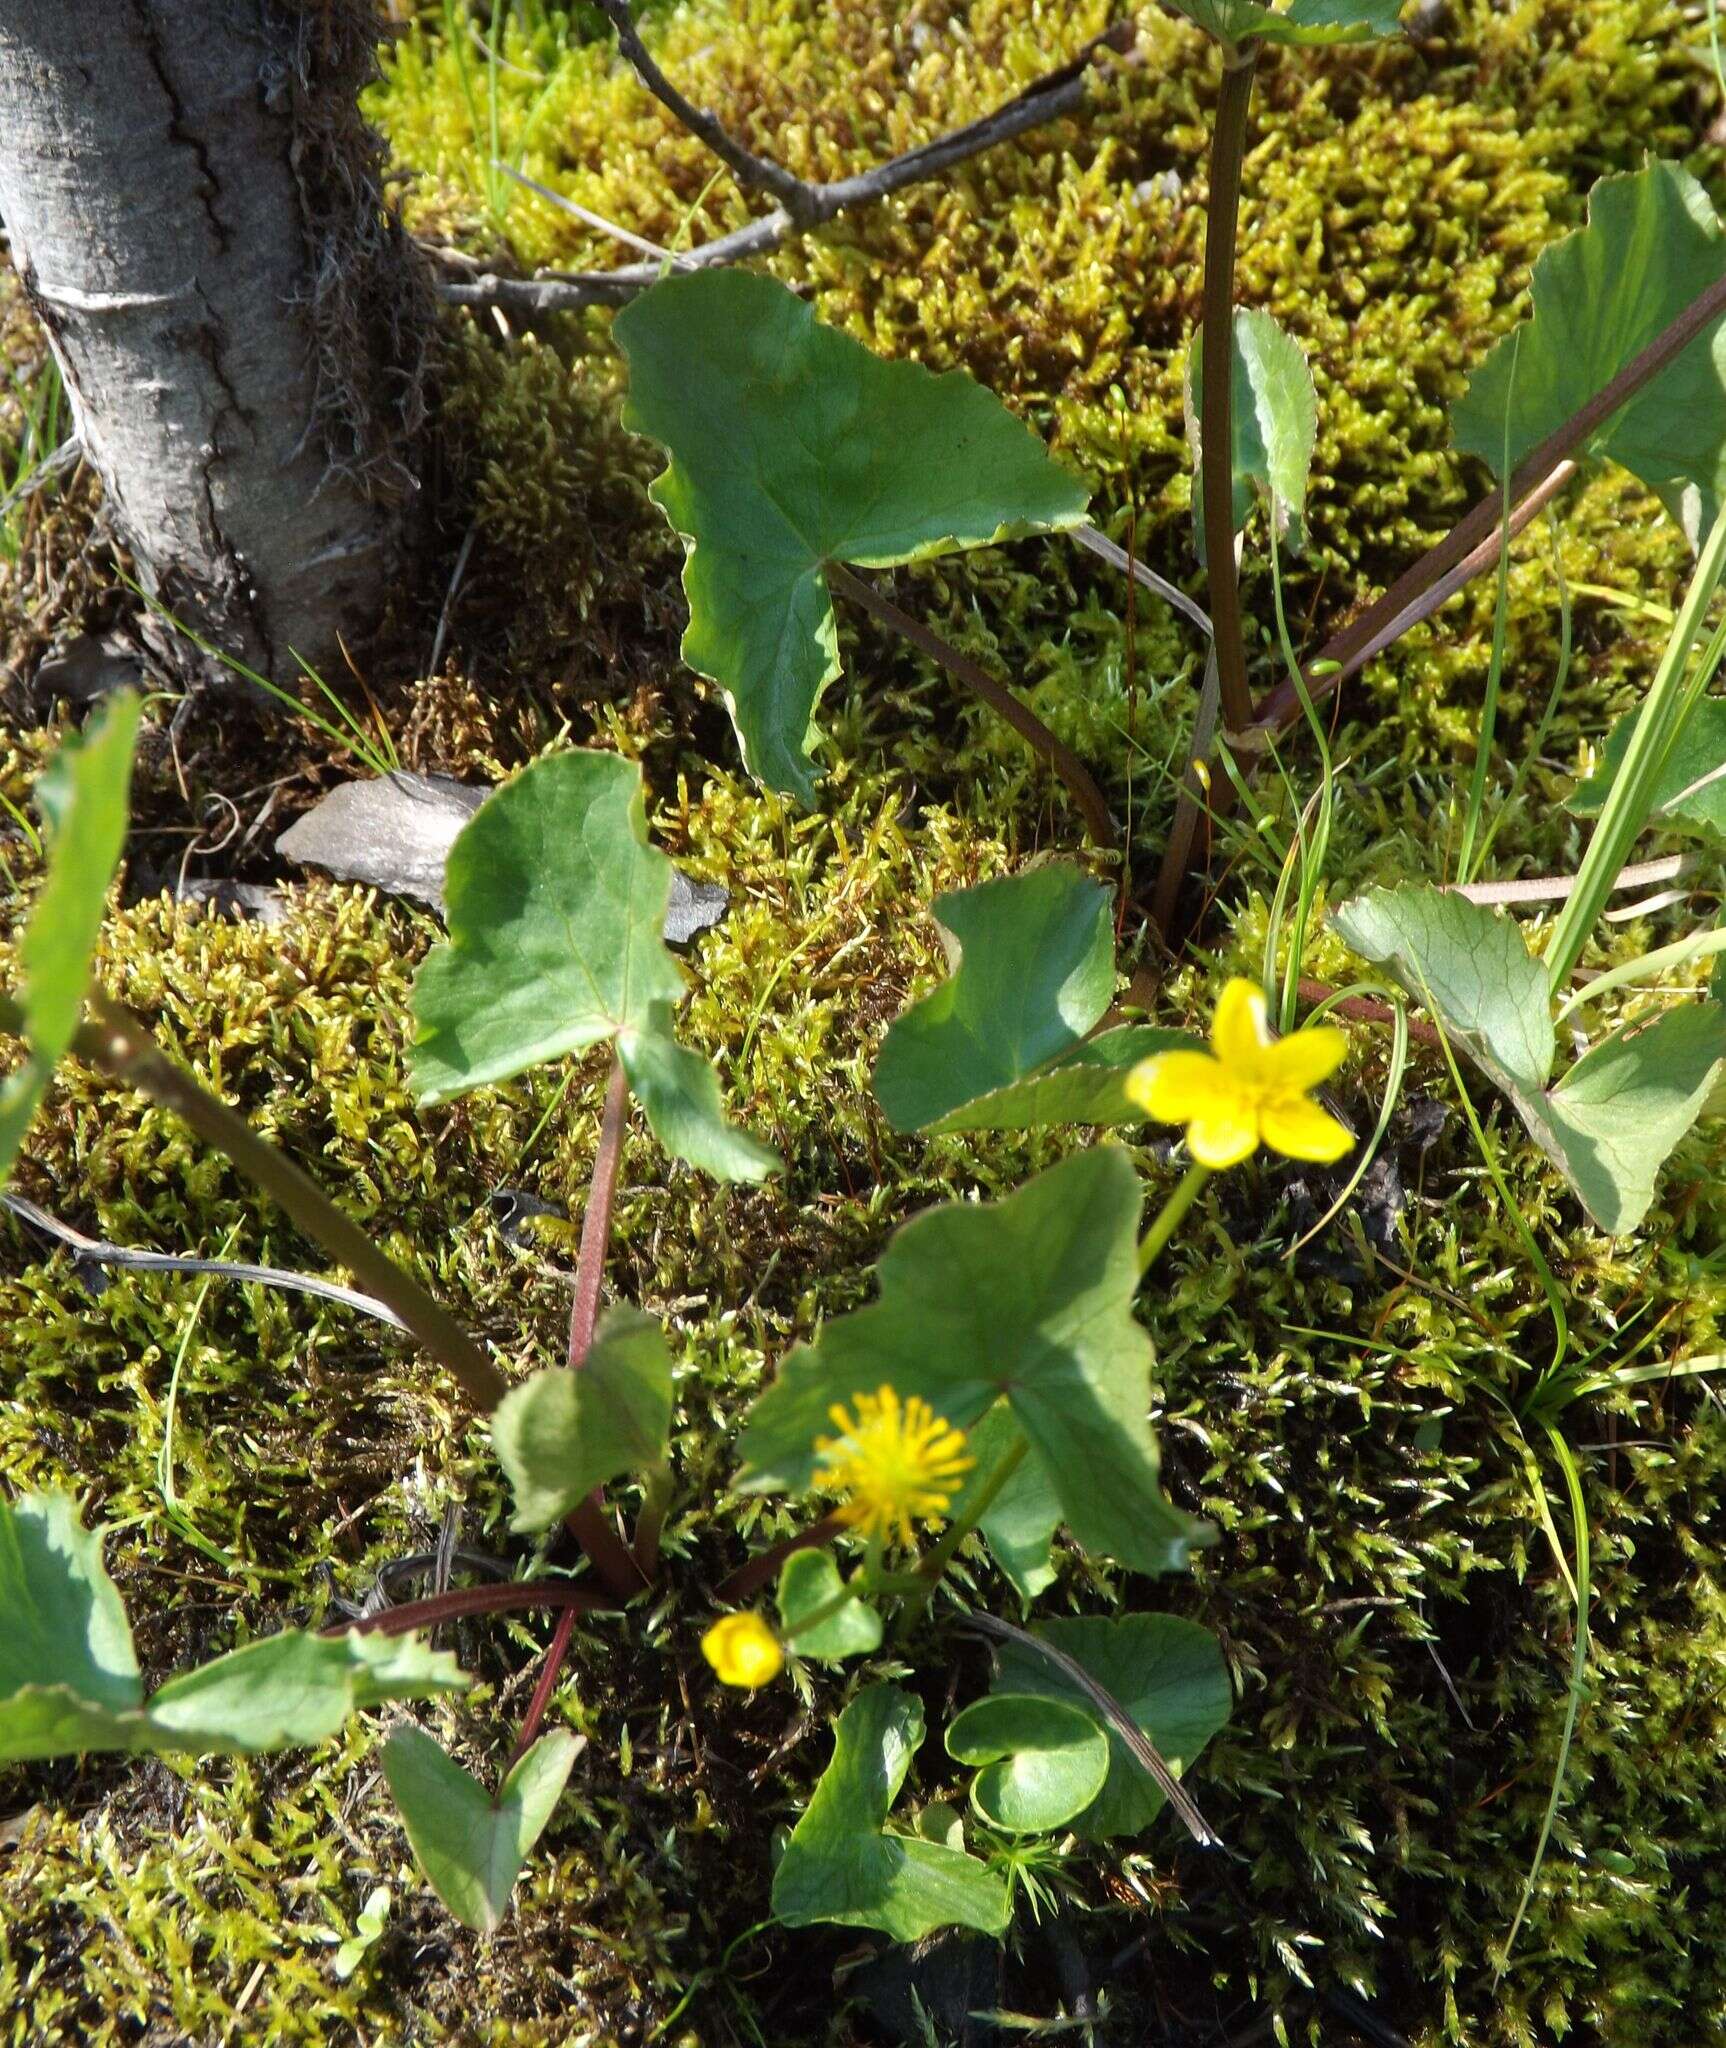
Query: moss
x,y
1384,1587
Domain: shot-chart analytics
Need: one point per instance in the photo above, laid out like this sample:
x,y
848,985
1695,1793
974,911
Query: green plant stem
x,y
1024,721
1169,1216
751,1577
957,1530
589,1523
1627,805
1216,452
116,1041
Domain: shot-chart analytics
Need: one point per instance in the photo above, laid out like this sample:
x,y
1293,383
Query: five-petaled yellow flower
x,y
897,1463
1251,1089
743,1650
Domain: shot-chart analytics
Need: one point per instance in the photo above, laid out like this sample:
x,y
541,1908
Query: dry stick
x,y
751,1577
589,1524
996,695
1144,1752
115,1040
1216,451
1058,93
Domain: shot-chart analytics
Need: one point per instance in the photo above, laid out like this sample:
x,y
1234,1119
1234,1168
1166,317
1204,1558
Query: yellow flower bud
x,y
743,1650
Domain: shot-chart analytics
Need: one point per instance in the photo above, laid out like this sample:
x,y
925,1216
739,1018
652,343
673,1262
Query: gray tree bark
x,y
196,210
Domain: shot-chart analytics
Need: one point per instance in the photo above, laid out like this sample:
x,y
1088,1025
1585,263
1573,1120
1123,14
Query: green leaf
x,y
840,1866
1691,788
1031,967
1044,1761
1167,1673
1306,22
1030,1298
83,798
1020,1522
559,1434
373,1918
1652,246
555,904
793,446
809,1579
292,1689
469,1845
1273,422
1611,1121
1614,1118
1086,1085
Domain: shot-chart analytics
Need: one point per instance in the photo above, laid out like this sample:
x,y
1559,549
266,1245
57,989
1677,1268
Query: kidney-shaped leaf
x,y
841,1866
1085,1085
1167,1673
559,1434
1043,1760
1308,22
1031,967
1030,1298
470,1845
82,795
556,903
809,1580
1691,788
1652,245
793,446
1611,1120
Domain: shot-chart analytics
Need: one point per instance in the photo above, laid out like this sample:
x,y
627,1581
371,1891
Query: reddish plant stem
x,y
589,1523
521,1595
1216,452
751,1577
556,1650
996,695
1364,1010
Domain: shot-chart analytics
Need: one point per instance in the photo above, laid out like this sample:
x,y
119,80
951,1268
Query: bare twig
x,y
995,694
1556,888
676,258
99,1252
802,206
1144,1752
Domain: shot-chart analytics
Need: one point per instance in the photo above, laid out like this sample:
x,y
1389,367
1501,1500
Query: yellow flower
x,y
1251,1089
743,1650
898,1463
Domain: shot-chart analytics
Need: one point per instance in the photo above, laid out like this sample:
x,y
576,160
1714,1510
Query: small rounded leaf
x,y
1043,1762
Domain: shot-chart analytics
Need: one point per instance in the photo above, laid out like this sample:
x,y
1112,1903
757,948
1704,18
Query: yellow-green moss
x,y
1380,1533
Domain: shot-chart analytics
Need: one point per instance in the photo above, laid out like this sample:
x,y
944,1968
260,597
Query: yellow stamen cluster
x,y
897,1463
743,1649
1250,1089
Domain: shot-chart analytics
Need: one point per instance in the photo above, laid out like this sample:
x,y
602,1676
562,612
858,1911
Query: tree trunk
x,y
196,211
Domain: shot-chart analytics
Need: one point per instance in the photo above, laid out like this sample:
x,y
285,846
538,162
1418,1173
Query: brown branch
x,y
1057,93
996,695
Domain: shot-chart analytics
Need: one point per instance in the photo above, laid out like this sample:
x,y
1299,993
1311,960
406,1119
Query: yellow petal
x,y
1224,1135
1300,1129
1173,1086
1305,1058
1239,1030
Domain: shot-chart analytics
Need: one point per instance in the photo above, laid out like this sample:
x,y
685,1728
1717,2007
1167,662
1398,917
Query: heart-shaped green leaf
x,y
793,446
1273,422
1651,247
559,1434
1030,1298
840,1864
556,904
1313,23
1167,1673
808,1580
469,1844
1609,1123
1043,1760
1031,967
1691,788
1085,1085
82,795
